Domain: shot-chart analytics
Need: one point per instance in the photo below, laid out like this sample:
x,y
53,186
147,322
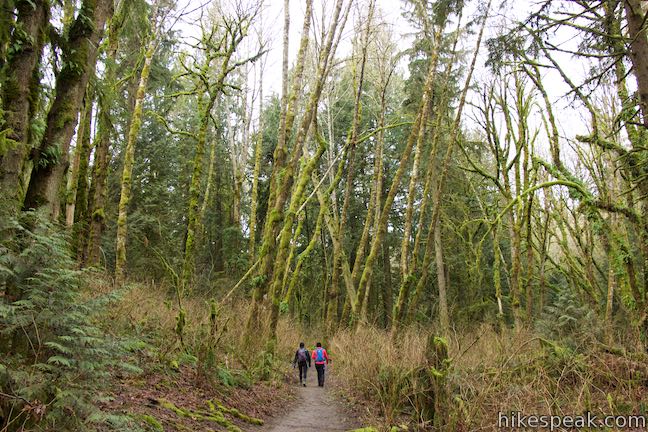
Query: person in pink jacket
x,y
321,359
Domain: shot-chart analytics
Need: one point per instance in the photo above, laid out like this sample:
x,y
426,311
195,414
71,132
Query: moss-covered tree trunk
x,y
19,92
408,268
73,175
280,174
414,134
638,36
286,233
80,188
388,290
436,213
193,214
258,149
352,144
96,215
129,156
210,89
381,227
79,53
442,281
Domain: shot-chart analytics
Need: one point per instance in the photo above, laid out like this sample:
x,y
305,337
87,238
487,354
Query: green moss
x,y
440,342
99,214
233,412
152,421
215,414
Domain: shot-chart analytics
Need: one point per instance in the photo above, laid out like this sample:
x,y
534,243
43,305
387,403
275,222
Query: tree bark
x,y
79,61
80,187
129,156
258,148
97,193
444,319
19,96
388,294
81,151
638,35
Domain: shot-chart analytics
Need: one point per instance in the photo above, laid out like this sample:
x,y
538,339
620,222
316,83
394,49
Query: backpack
x,y
302,355
320,355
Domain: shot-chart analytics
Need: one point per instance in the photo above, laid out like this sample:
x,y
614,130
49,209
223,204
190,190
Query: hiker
x,y
303,360
321,360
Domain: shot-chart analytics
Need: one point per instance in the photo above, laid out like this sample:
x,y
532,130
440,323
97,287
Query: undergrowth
x,y
489,372
68,335
55,356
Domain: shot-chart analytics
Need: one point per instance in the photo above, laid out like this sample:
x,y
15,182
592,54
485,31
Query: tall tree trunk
x,y
387,295
287,118
258,149
129,156
442,282
79,61
193,213
80,190
530,264
209,91
211,174
81,151
105,98
19,95
237,178
427,258
638,35
400,308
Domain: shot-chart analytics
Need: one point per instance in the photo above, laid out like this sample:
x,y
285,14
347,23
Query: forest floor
x,y
147,399
177,402
315,408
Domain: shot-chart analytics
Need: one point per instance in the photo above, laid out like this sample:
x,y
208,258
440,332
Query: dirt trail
x,y
315,409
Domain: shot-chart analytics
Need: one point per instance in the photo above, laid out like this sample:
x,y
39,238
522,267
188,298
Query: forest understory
x,y
451,196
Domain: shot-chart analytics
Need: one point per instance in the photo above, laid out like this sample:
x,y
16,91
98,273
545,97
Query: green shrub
x,y
569,321
54,358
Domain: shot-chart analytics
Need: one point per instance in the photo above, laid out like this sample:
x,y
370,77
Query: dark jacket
x,y
308,356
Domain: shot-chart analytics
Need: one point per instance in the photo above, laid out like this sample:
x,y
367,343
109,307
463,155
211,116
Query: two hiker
x,y
303,360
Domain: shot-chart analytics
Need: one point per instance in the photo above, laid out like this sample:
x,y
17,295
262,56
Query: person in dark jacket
x,y
303,360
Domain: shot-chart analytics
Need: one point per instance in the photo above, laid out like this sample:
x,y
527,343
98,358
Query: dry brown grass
x,y
150,311
491,372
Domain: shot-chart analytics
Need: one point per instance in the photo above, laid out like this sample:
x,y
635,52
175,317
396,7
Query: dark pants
x,y
320,374
303,369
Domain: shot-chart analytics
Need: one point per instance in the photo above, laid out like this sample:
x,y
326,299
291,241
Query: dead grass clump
x,y
378,370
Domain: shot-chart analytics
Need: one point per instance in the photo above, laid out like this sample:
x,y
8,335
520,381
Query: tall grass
x,y
491,372
150,312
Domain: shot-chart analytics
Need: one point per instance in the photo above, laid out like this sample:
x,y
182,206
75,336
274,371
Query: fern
x,y
53,357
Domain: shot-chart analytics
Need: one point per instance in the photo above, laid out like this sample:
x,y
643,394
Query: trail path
x,y
315,409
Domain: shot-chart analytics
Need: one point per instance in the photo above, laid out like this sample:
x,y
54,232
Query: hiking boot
x,y
304,384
